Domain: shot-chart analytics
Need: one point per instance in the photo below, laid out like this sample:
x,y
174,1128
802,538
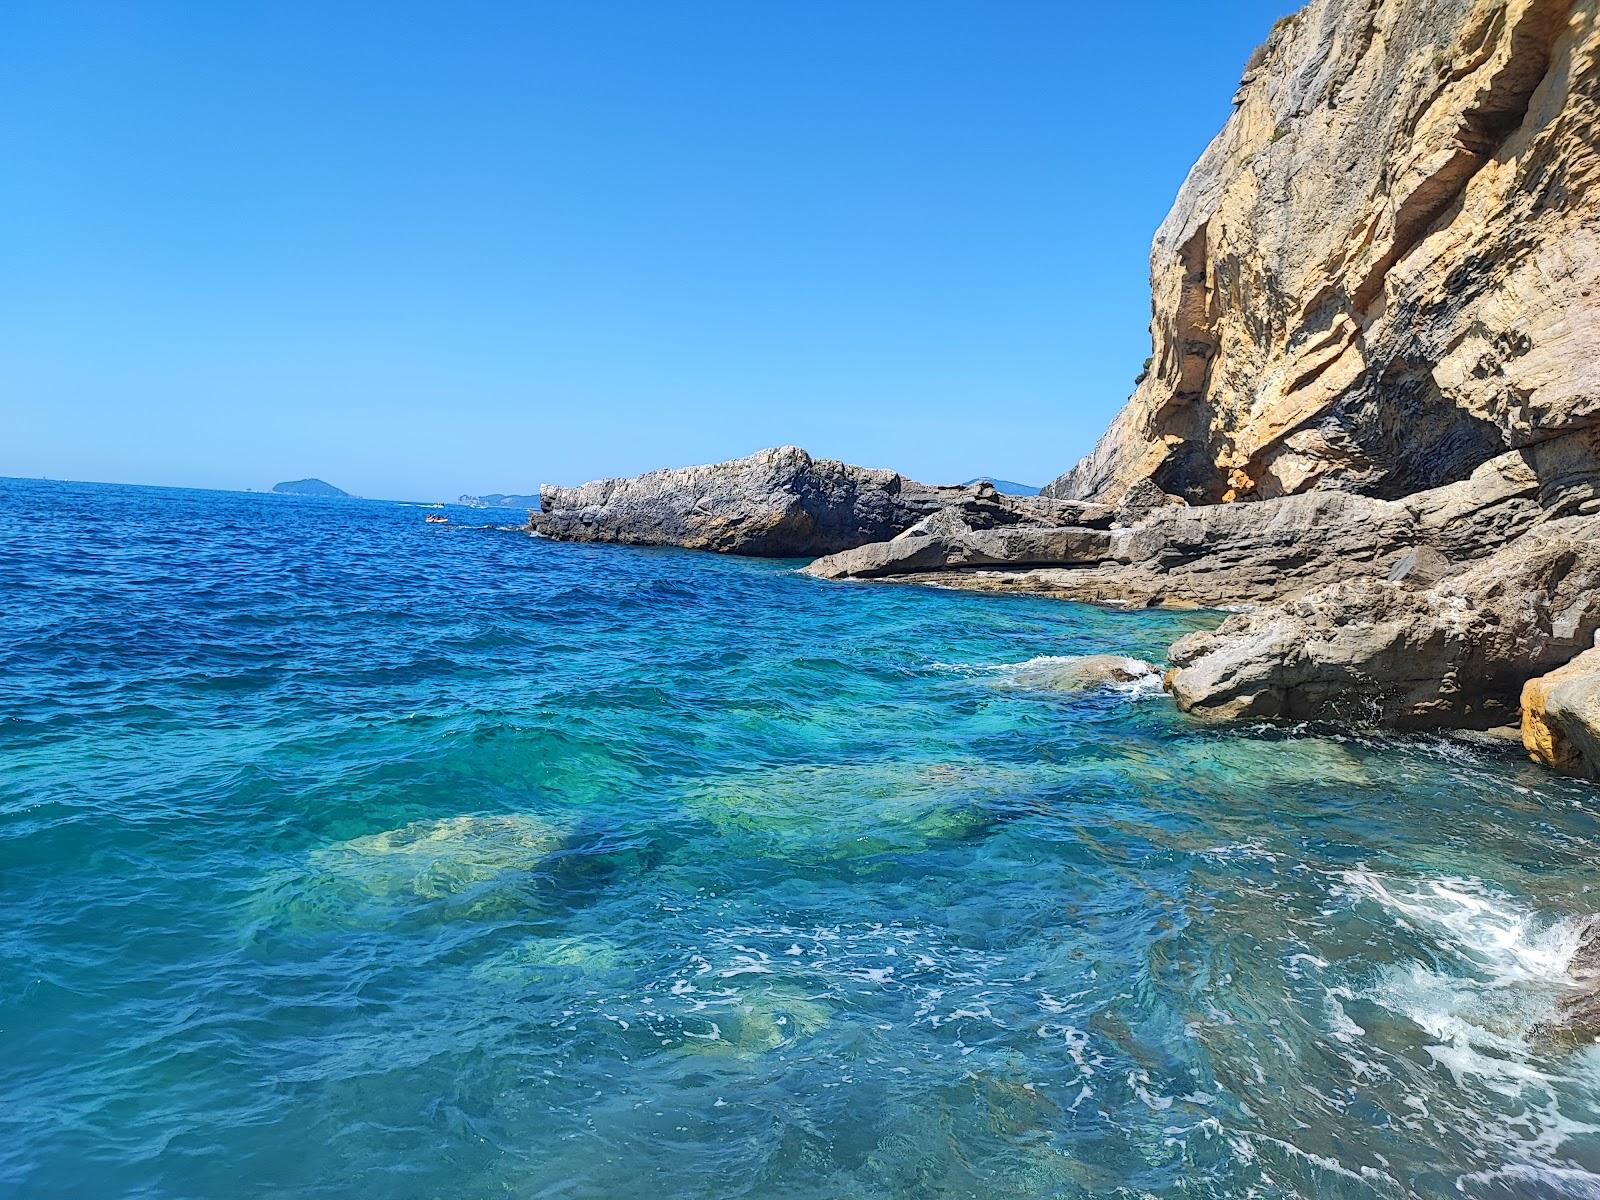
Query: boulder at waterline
x,y
1079,673
1561,716
1456,654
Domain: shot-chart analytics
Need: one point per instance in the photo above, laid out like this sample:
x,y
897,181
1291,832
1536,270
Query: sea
x,y
347,855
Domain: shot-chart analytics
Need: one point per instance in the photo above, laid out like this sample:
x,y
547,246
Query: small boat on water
x,y
436,519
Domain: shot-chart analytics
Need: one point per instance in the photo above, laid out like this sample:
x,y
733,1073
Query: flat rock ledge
x,y
1224,555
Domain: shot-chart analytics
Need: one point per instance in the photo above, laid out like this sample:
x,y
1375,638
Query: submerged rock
x,y
1561,719
430,859
762,1017
1078,673
541,960
811,813
468,865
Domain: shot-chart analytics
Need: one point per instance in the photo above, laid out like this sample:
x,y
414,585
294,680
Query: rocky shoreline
x,y
1371,418
1443,609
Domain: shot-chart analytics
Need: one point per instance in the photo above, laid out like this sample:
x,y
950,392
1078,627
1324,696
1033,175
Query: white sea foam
x,y
1496,970
1504,940
1544,1179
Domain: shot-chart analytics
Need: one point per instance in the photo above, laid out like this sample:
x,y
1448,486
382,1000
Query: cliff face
x,y
1385,270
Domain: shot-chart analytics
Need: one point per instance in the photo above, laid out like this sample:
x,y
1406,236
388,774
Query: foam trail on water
x,y
1508,942
1494,969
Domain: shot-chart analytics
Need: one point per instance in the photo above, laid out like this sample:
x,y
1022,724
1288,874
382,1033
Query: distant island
x,y
311,487
499,500
1004,485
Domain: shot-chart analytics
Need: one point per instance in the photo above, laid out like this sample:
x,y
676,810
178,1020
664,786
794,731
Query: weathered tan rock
x,y
1457,653
1561,716
1385,270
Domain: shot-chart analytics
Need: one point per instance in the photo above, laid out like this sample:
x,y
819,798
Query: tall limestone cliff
x,y
1385,270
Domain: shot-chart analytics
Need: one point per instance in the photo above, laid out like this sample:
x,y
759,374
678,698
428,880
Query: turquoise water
x,y
345,855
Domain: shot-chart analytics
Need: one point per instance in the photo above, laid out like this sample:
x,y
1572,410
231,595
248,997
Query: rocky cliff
x,y
1375,381
1385,270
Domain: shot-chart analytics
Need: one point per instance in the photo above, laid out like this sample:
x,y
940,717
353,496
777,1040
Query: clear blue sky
x,y
420,249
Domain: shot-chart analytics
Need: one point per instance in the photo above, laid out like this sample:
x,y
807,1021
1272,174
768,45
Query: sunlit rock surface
x,y
1385,269
1561,716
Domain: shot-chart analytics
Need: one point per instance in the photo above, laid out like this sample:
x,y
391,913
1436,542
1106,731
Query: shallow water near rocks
x,y
342,854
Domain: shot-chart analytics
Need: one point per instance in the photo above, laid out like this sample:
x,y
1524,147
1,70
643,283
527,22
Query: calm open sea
x,y
345,855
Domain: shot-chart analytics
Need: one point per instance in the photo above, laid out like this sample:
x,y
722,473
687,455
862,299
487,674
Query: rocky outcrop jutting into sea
x,y
778,503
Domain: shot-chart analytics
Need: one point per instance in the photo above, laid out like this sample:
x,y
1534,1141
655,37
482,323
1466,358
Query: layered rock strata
x,y
1385,269
1230,554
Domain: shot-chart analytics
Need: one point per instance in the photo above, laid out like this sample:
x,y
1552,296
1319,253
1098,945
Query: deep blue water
x,y
346,855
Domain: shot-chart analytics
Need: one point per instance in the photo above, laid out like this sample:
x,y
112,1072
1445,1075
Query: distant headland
x,y
499,500
311,487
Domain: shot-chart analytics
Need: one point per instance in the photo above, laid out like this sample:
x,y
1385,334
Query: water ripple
x,y
343,854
